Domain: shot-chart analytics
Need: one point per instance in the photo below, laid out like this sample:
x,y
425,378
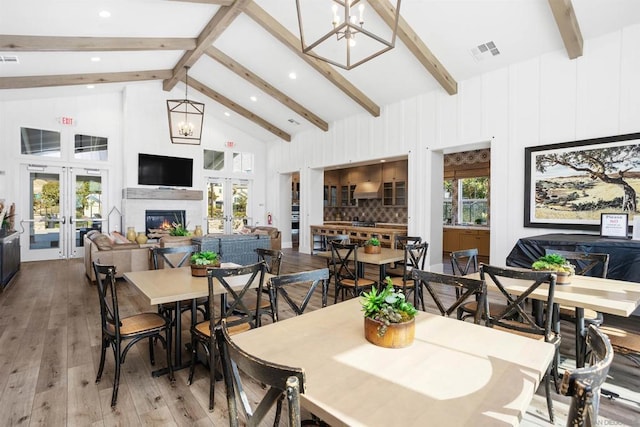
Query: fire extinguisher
x,y
269,219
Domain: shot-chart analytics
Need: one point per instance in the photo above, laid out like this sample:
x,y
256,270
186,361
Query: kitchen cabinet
x,y
331,185
394,183
455,239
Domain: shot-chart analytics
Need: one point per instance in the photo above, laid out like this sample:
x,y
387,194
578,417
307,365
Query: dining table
x,y
382,259
455,373
609,296
170,285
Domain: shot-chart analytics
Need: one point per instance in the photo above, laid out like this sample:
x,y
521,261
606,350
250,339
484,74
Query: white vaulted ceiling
x,y
450,29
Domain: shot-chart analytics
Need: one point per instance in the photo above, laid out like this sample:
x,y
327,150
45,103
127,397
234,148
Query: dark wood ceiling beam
x,y
568,25
291,41
218,24
205,90
91,44
263,85
81,79
416,46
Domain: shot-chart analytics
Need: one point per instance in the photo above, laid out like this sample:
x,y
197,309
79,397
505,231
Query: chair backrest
x,y
465,289
339,238
402,241
415,256
515,307
282,381
586,264
464,262
163,256
236,288
583,384
344,259
307,279
108,297
272,259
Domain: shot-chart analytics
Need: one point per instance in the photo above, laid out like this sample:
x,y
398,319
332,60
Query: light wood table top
x,y
386,256
604,295
454,374
176,284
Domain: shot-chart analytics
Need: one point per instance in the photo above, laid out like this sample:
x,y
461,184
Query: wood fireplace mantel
x,y
161,194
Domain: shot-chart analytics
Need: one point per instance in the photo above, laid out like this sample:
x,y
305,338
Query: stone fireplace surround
x,y
136,201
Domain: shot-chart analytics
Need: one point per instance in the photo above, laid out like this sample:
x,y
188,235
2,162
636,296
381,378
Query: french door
x,y
61,205
227,205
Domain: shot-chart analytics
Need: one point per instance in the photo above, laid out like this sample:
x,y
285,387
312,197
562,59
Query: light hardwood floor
x,y
49,352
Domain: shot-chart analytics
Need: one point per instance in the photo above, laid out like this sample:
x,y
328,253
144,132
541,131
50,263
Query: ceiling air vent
x,y
9,59
484,51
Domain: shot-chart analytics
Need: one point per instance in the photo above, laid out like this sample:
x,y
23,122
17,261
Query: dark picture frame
x,y
569,185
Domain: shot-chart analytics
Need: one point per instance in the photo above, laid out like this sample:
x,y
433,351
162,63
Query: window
x,y
447,208
38,142
90,147
213,160
465,200
472,203
243,162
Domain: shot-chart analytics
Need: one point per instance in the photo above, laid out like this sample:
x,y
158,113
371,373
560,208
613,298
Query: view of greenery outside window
x,y
472,202
213,160
447,208
38,142
90,147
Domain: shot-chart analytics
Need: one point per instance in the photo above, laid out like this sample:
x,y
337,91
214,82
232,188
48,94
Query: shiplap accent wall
x,y
545,100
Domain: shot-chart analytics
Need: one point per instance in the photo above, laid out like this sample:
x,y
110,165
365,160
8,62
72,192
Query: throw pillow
x,y
102,241
118,237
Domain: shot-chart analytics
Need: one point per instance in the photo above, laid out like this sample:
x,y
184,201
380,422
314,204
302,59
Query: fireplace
x,y
162,219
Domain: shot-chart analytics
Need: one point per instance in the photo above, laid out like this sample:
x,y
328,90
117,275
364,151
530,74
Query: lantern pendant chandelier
x,y
345,50
185,118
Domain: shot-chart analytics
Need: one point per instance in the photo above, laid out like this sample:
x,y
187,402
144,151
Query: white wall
x,y
549,99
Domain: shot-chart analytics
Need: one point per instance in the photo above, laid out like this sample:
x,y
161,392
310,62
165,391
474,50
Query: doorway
x,y
227,205
63,203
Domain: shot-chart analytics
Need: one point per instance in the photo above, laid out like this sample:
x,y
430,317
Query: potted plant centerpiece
x,y
200,261
389,319
372,246
556,263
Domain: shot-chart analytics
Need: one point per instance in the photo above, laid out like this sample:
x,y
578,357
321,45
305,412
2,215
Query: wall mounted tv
x,y
165,171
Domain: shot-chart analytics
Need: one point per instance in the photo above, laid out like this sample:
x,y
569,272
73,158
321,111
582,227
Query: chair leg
x,y
152,356
212,377
116,378
547,392
194,357
103,353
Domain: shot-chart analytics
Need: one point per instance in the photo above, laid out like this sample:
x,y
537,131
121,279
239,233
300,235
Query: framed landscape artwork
x,y
571,184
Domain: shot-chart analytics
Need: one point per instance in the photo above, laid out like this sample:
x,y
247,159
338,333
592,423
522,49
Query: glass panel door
x,y
227,205
62,205
216,218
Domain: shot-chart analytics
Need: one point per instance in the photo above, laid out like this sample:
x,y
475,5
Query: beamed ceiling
x,y
241,52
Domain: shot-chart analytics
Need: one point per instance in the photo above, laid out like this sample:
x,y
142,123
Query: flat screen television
x,y
164,170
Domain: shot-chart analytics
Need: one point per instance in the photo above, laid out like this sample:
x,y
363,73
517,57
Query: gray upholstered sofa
x,y
236,248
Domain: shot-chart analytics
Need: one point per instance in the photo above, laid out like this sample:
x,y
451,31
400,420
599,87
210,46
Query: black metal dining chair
x,y
344,258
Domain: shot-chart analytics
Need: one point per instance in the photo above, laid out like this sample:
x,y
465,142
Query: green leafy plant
x,y
387,306
374,241
204,258
178,228
553,262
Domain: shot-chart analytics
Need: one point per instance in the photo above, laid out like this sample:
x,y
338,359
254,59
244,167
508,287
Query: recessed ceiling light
x,y
95,59
226,113
90,86
382,160
253,98
105,14
292,75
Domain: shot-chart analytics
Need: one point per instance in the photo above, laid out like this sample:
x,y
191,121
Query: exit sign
x,y
67,121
